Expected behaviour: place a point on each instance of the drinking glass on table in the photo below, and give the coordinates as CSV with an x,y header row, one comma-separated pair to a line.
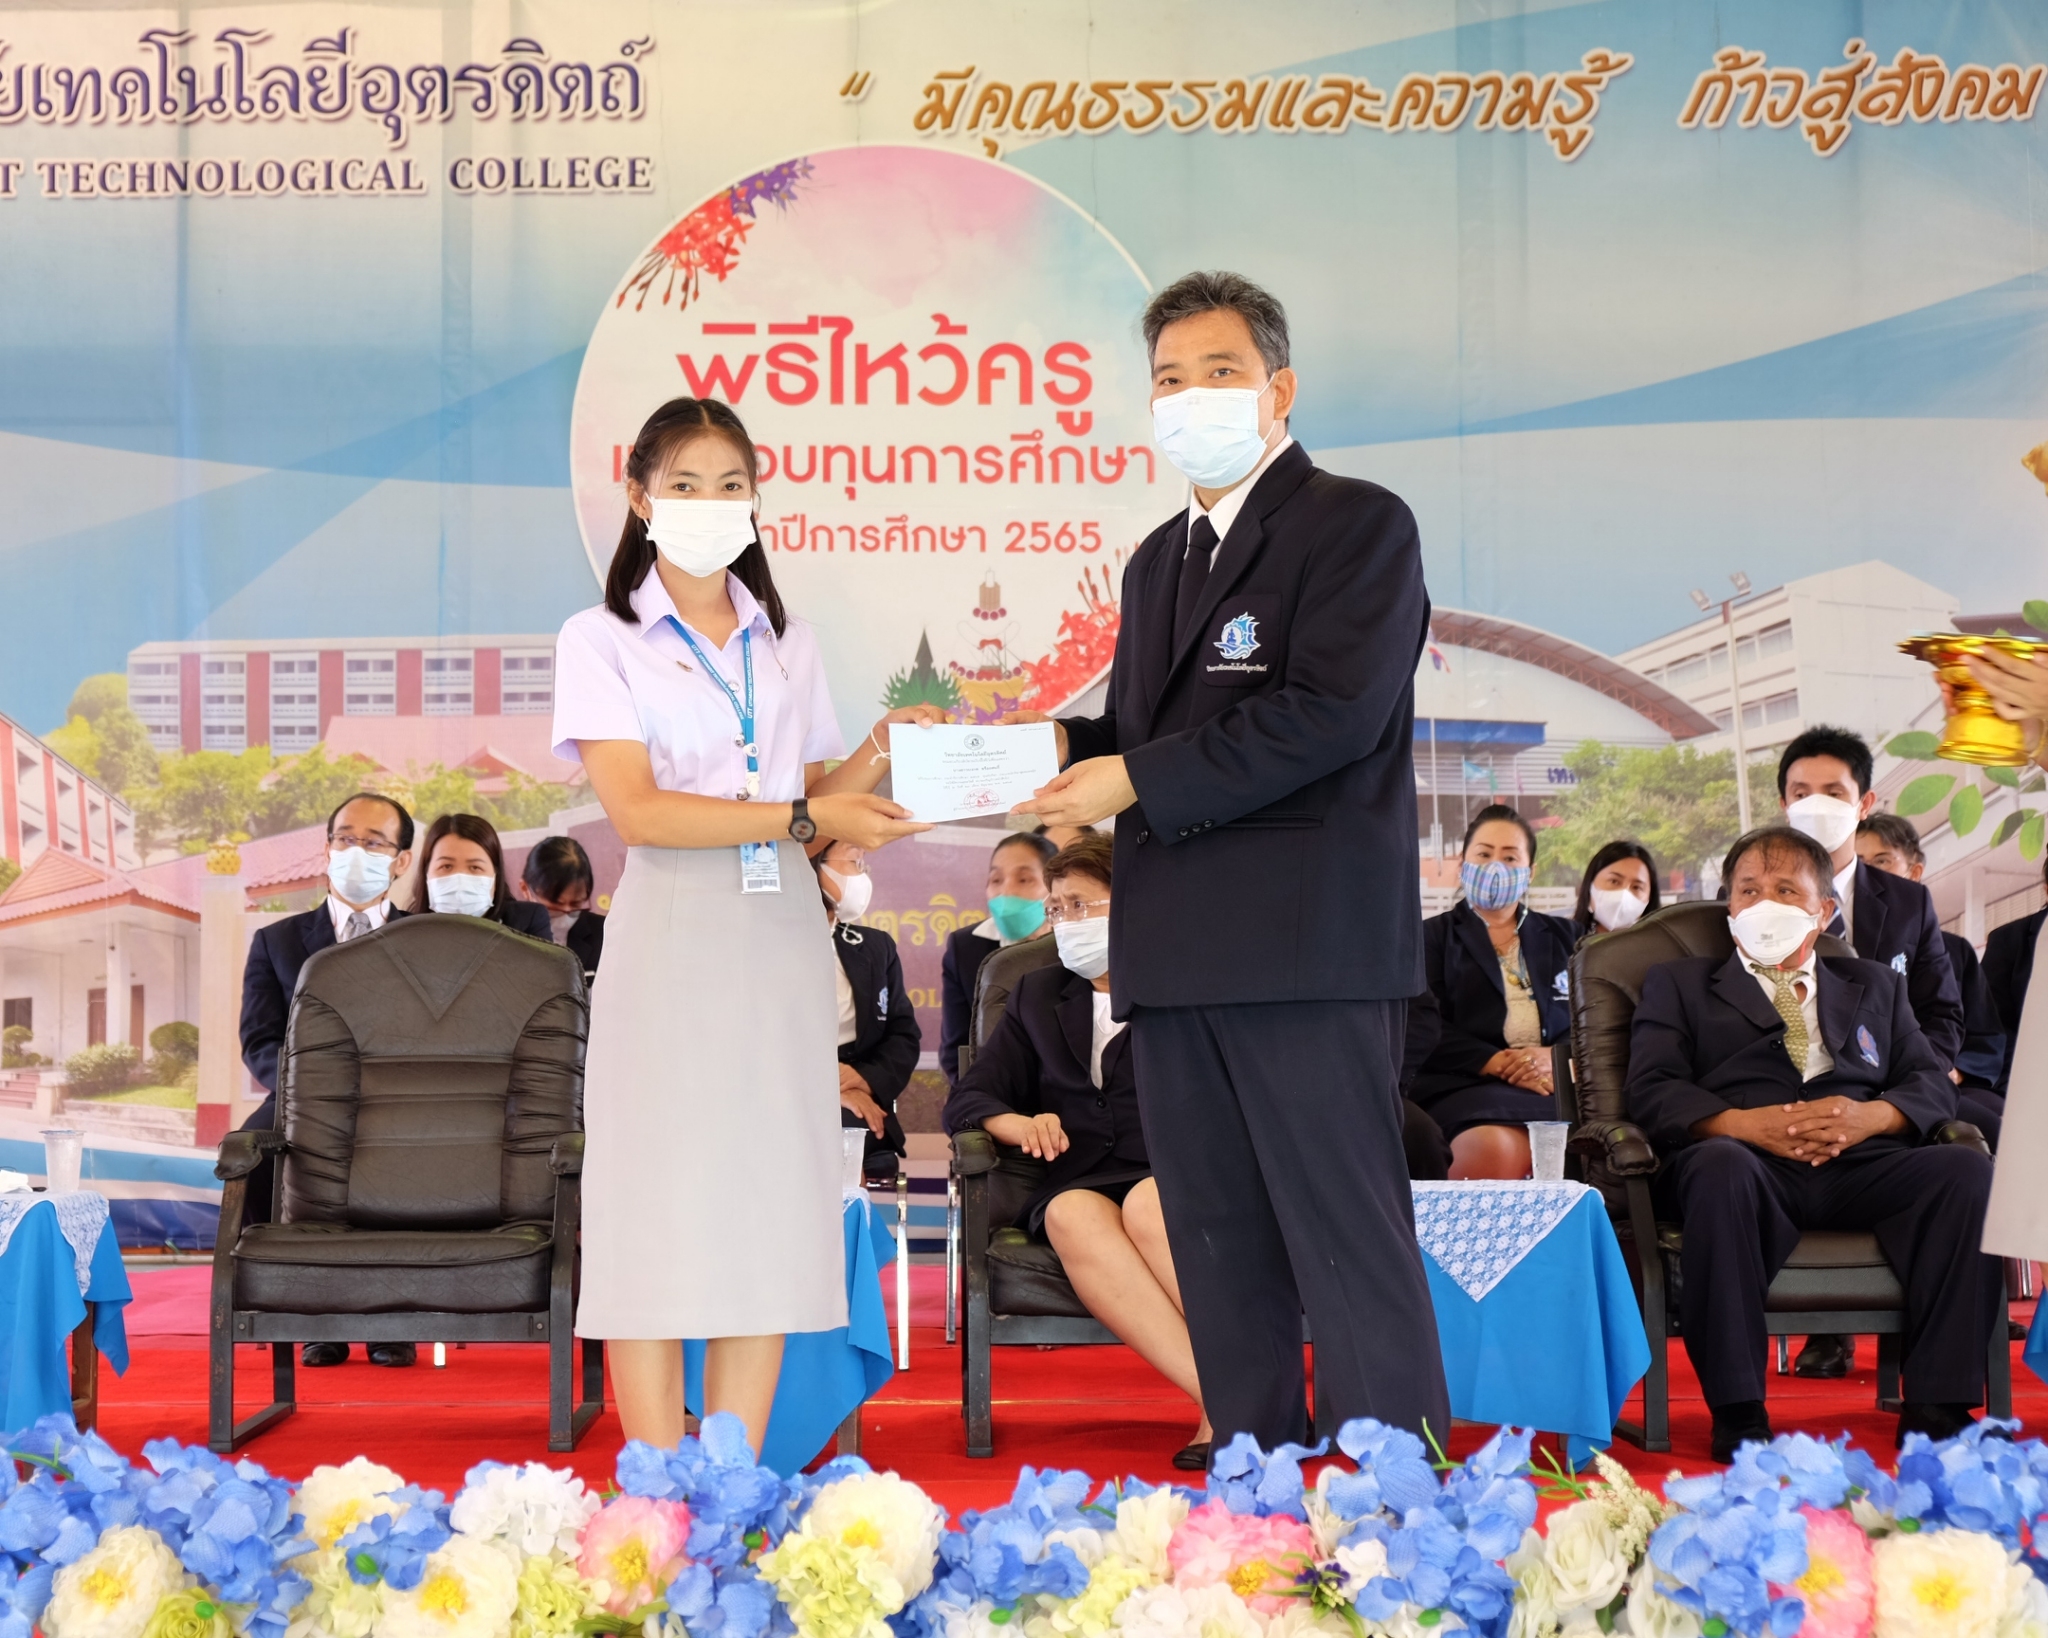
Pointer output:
x,y
1546,1149
63,1150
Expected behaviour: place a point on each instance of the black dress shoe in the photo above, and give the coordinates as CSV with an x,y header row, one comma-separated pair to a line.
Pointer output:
x,y
393,1353
1739,1424
324,1353
1825,1357
1193,1458
1936,1420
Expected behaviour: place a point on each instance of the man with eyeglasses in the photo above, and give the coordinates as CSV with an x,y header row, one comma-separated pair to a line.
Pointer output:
x,y
369,848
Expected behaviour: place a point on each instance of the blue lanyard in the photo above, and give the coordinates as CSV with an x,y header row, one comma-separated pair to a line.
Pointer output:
x,y
745,712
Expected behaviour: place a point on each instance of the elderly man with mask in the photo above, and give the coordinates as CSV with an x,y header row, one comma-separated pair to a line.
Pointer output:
x,y
369,848
1787,1092
1256,746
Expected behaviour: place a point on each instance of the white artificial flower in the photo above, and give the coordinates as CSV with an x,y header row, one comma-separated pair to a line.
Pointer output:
x,y
1187,1612
1651,1614
334,1500
467,1589
1534,1614
336,1605
524,1512
2026,1603
1583,1554
1939,1584
1144,1526
887,1515
1088,1545
1361,1562
112,1591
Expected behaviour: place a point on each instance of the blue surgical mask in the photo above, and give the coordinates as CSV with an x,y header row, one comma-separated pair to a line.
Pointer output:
x,y
462,895
1015,918
1493,885
1211,433
358,876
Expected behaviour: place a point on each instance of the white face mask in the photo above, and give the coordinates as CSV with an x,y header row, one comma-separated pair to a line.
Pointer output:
x,y
1083,946
461,895
1211,433
559,923
856,893
358,876
1827,819
1769,931
701,537
1616,907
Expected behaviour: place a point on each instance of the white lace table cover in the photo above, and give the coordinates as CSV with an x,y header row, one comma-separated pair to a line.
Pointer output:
x,y
1478,1231
81,1216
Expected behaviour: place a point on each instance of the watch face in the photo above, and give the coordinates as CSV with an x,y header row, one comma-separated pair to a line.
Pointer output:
x,y
803,830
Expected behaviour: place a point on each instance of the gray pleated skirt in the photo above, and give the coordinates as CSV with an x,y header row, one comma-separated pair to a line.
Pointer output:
x,y
711,1170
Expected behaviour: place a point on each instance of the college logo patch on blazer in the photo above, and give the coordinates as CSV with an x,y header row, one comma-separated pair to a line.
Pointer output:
x,y
1237,641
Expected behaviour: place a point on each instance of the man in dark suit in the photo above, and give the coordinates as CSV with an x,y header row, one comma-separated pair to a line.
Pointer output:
x,y
1256,749
369,847
2008,970
1824,787
1788,1092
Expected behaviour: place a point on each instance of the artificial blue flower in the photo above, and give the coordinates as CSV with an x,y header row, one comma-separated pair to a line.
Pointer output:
x,y
231,1524
1431,1565
1248,1480
1490,1497
1973,1482
1002,1556
735,1503
1394,1473
393,1547
1742,1531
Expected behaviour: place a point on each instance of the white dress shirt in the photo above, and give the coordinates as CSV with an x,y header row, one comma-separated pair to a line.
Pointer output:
x,y
620,681
1224,513
1818,1059
1845,899
849,1025
377,913
1107,1029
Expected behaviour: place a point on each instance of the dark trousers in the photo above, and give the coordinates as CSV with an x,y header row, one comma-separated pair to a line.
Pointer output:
x,y
1983,1109
263,1180
1275,1135
1428,1150
1743,1212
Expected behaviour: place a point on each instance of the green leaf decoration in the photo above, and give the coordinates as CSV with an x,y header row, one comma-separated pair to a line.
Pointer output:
x,y
1965,812
2035,783
2035,613
1913,747
2030,837
1924,793
2006,826
2008,777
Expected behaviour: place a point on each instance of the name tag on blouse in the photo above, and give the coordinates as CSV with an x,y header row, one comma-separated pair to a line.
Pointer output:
x,y
760,868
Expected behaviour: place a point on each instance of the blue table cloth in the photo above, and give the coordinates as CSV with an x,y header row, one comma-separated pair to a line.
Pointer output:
x,y
2035,1355
825,1374
1557,1342
41,1305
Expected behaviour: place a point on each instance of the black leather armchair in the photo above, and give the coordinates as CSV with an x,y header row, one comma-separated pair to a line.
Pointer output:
x,y
430,1153
1017,1295
1835,1282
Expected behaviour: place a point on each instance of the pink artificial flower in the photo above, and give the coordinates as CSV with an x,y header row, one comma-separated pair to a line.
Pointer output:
x,y
1254,1557
1840,1598
634,1545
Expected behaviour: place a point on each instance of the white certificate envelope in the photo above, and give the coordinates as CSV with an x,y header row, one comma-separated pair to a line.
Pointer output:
x,y
949,772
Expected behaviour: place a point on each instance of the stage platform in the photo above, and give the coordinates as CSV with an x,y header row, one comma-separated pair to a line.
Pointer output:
x,y
1101,1409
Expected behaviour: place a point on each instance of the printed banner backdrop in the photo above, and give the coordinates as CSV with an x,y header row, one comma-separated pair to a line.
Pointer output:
x,y
323,328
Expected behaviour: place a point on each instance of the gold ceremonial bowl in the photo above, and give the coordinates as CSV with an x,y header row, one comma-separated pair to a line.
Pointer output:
x,y
1974,731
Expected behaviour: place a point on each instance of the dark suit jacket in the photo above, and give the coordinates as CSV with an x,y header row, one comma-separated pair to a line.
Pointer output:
x,y
1460,1020
2008,969
1895,924
1036,1063
586,939
1706,1039
959,966
276,954
886,1047
1270,853
1982,1060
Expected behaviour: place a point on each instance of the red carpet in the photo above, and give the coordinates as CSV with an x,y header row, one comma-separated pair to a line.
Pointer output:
x,y
1100,1409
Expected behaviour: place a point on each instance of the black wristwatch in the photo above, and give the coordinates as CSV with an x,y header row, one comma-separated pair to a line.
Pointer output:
x,y
802,827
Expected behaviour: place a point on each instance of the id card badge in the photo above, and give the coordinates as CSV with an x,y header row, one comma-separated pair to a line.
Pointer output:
x,y
760,868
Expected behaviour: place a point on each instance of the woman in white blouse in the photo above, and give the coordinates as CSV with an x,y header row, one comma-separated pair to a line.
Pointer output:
x,y
699,709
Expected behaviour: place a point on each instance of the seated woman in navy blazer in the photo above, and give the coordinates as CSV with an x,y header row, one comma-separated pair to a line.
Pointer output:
x,y
1056,1081
879,1037
1496,1000
462,872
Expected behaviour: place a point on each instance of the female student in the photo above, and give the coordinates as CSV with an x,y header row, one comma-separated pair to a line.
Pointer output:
x,y
463,874
699,708
558,878
1016,911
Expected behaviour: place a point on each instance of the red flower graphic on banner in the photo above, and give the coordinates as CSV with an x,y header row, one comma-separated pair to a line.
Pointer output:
x,y
1087,643
708,239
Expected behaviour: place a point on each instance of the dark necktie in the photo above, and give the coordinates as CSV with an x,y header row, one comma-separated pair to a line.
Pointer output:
x,y
358,925
1194,575
1838,927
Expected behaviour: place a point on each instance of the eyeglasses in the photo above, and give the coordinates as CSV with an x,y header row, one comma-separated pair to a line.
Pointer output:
x,y
369,844
1072,910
